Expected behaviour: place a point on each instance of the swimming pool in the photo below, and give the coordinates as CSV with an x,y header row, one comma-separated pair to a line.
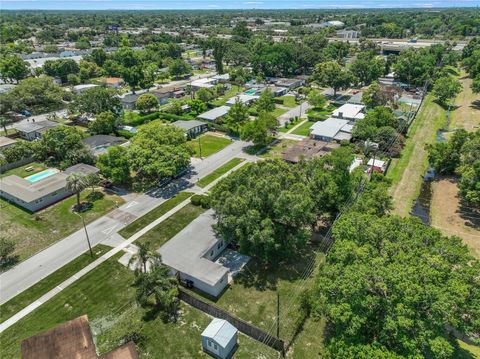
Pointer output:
x,y
251,92
41,175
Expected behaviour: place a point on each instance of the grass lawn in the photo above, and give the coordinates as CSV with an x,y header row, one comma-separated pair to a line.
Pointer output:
x,y
167,229
210,144
21,172
303,129
25,298
107,297
406,173
234,90
155,213
276,151
204,181
278,111
466,115
288,101
33,232
10,131
253,294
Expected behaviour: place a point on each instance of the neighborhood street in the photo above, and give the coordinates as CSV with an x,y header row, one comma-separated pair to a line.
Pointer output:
x,y
104,229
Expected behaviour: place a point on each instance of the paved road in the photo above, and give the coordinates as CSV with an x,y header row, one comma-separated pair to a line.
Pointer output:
x,y
298,111
120,246
105,229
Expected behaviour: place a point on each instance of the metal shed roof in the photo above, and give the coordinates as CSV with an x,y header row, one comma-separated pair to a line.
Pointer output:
x,y
221,331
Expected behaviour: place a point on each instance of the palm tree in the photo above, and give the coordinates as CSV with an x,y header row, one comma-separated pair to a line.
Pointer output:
x,y
92,180
4,122
159,283
76,184
144,255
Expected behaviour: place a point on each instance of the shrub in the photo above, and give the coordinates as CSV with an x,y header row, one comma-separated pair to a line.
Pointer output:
x,y
201,200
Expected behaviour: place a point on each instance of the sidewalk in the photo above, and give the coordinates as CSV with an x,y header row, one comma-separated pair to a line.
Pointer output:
x,y
30,308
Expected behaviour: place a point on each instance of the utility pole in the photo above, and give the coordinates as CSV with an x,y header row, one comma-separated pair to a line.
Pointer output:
x,y
86,233
278,314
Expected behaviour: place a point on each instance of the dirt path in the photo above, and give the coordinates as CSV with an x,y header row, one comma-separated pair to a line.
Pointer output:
x,y
467,112
409,169
452,217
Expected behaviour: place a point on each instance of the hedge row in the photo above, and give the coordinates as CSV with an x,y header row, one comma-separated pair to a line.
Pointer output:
x,y
140,120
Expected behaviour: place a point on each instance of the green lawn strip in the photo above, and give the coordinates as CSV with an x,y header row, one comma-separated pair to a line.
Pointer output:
x,y
31,294
288,101
253,294
33,232
278,112
167,229
108,298
155,213
204,181
466,351
303,129
21,172
210,144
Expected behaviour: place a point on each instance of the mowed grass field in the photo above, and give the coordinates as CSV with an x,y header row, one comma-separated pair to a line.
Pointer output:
x,y
466,114
406,173
106,295
209,144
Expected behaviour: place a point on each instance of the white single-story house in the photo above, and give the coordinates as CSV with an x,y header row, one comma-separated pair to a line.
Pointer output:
x,y
214,114
222,78
191,128
349,112
191,254
289,83
33,130
219,339
204,83
331,129
99,144
41,189
243,98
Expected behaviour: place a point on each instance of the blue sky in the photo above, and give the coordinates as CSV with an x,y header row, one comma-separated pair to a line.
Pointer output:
x,y
222,4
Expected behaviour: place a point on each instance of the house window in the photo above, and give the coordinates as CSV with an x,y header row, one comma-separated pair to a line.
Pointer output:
x,y
209,342
211,253
215,346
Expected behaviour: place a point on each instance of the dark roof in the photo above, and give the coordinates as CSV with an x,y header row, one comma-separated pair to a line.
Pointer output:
x,y
72,339
103,140
81,168
188,125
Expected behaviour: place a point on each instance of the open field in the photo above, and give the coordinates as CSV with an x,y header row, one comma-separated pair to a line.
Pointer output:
x,y
107,297
167,229
31,294
253,294
451,216
303,129
209,144
33,232
276,151
205,181
467,112
406,173
155,213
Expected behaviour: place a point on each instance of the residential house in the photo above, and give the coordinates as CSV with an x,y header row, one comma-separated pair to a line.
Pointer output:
x,y
33,130
191,128
289,83
215,114
331,129
219,339
84,87
376,165
223,78
243,98
72,339
41,189
113,82
204,83
191,254
347,34
350,112
6,142
99,144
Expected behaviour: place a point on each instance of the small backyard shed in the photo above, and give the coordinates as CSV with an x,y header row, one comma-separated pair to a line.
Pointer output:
x,y
219,339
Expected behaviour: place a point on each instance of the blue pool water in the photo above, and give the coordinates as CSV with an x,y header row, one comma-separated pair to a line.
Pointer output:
x,y
251,92
41,175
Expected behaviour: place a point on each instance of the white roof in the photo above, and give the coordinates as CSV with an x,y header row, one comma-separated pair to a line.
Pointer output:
x,y
215,113
377,163
349,110
244,98
185,252
222,77
205,83
84,86
355,163
220,331
328,128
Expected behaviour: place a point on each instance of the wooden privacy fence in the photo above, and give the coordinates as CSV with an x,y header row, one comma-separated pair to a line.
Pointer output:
x,y
246,328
